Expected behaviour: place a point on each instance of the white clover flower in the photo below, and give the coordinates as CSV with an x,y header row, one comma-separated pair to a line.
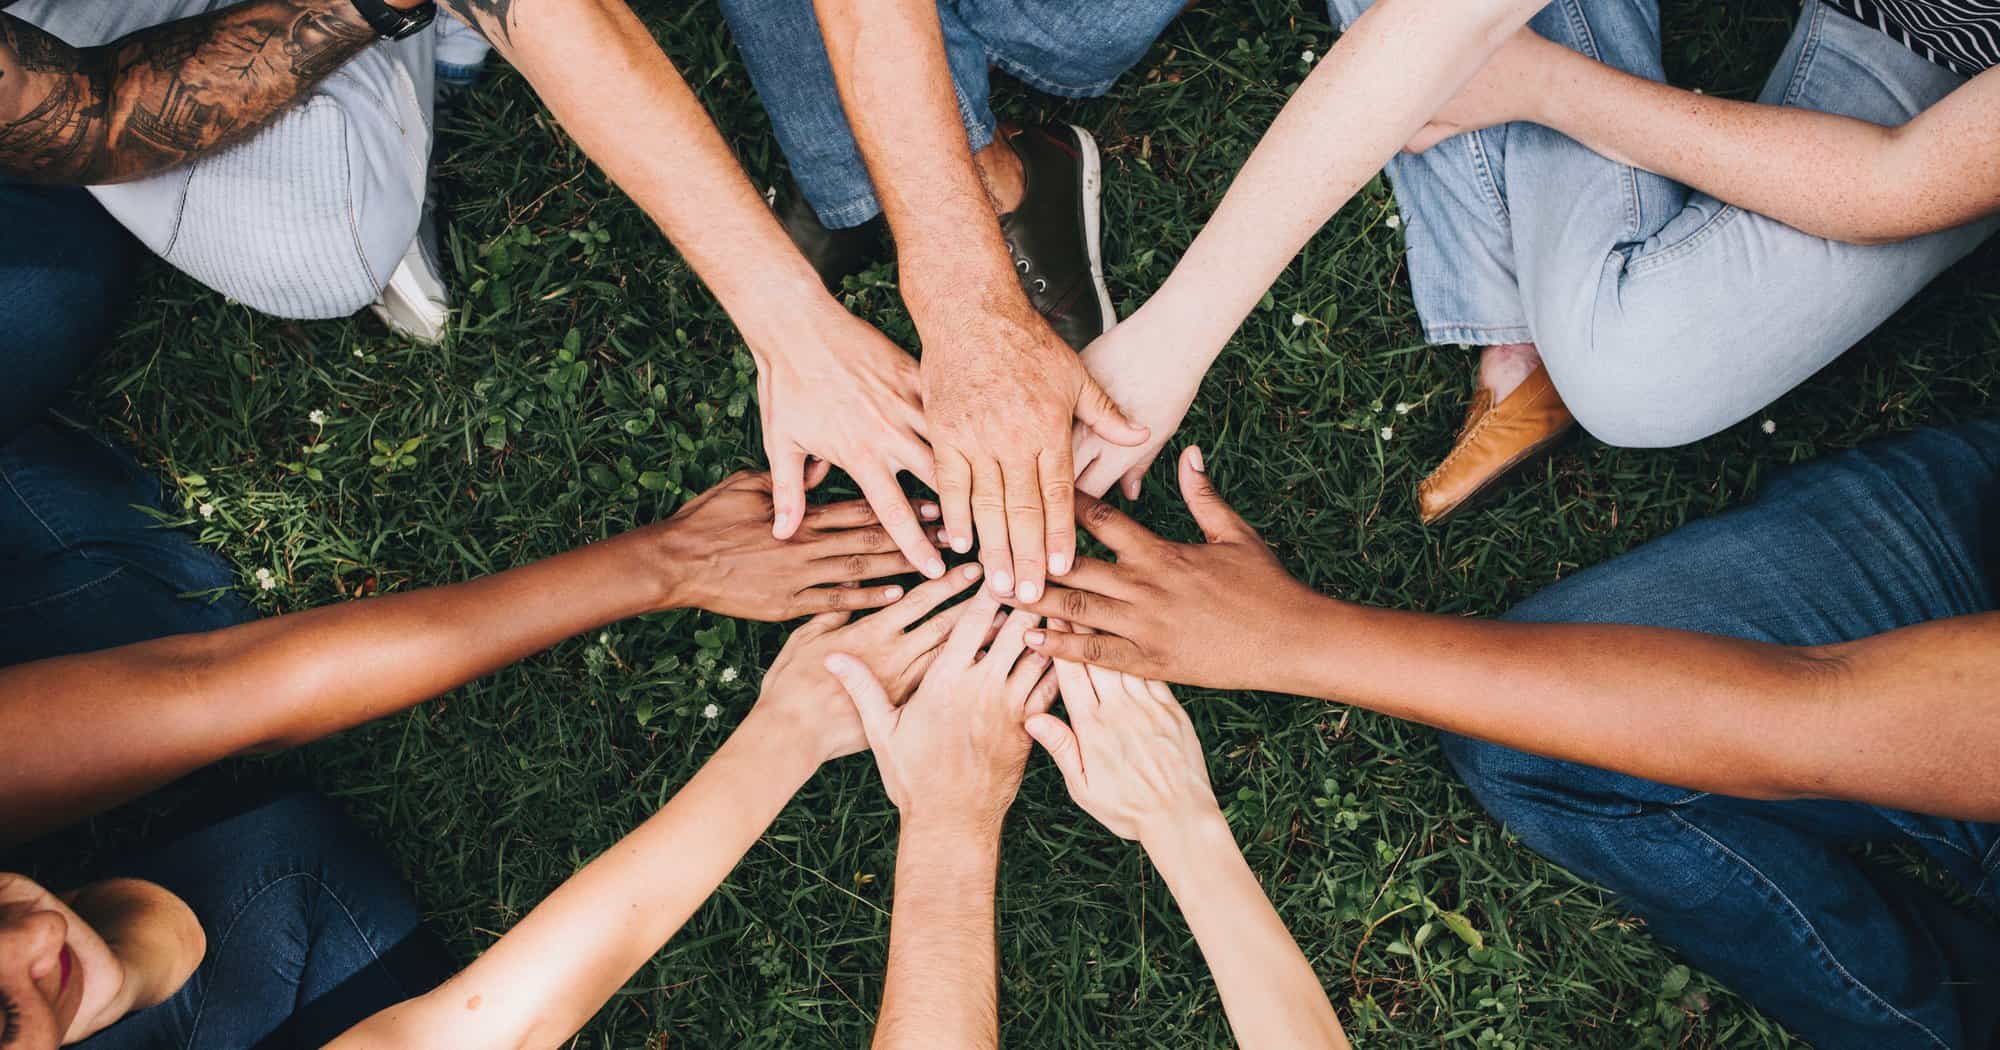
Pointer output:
x,y
317,417
1403,408
207,511
711,712
1307,56
266,581
1393,221
1298,320
1770,426
604,638
1387,433
358,353
728,675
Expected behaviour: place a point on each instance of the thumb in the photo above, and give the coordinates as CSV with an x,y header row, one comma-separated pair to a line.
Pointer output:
x,y
1096,410
788,492
1057,739
1217,519
878,716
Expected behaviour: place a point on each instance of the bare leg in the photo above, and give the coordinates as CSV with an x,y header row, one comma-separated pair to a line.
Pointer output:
x,y
1502,368
1000,169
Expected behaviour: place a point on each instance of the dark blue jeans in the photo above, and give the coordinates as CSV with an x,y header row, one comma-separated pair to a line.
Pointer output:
x,y
309,932
1769,897
65,276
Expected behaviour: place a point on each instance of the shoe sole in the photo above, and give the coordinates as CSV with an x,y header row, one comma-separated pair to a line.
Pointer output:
x,y
1093,224
1497,476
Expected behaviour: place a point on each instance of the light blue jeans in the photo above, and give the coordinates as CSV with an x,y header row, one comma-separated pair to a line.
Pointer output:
x,y
1062,48
1664,315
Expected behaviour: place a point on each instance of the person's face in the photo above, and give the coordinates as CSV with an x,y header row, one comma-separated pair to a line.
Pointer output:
x,y
42,944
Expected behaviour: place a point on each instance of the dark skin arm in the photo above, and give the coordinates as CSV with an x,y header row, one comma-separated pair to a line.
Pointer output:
x,y
1894,719
160,97
80,734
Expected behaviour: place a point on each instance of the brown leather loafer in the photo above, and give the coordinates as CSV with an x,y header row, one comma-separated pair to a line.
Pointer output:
x,y
1494,440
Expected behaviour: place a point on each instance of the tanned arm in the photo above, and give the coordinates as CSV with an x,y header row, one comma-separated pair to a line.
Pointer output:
x,y
162,96
81,733
1892,720
1829,175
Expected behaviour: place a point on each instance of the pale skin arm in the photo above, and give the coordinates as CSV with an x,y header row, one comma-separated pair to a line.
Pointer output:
x,y
1828,175
943,971
1894,719
82,733
829,384
1385,77
1130,758
1000,387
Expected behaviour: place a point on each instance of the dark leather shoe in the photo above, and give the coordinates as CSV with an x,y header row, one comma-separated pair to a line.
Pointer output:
x,y
835,255
1056,234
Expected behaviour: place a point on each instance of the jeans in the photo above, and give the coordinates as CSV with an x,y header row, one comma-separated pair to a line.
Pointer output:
x,y
65,275
1067,49
1767,896
1663,315
308,217
309,932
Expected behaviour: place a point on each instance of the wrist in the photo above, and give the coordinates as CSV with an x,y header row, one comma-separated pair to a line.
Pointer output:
x,y
669,555
783,321
1302,640
1180,842
951,831
786,749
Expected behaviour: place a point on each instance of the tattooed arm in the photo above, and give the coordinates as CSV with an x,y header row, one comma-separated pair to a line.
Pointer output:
x,y
161,96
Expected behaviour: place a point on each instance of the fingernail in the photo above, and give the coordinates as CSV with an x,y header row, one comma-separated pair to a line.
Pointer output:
x,y
961,544
1003,582
1194,459
1036,637
971,571
933,569
1058,564
784,517
892,593
944,537
1030,591
928,511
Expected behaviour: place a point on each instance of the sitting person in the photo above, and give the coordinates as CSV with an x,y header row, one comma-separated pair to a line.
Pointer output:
x,y
285,926
1631,263
951,760
1706,726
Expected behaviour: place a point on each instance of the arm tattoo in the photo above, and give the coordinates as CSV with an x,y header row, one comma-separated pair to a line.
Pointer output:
x,y
490,17
163,96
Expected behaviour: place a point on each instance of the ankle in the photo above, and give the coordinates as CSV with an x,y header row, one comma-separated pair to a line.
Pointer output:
x,y
1001,171
1503,368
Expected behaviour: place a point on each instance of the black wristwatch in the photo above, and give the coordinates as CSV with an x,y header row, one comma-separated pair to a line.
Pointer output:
x,y
393,23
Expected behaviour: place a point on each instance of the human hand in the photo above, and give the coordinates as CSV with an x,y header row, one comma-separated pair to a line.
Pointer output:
x,y
1129,754
1509,87
718,553
802,698
999,395
844,394
954,753
1220,614
1154,391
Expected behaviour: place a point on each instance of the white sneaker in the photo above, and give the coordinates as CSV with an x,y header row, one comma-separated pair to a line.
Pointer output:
x,y
415,304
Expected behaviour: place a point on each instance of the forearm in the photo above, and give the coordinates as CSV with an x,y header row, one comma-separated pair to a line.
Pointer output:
x,y
1382,81
1269,991
941,988
165,95
889,60
90,731
606,80
541,982
1828,175
1894,720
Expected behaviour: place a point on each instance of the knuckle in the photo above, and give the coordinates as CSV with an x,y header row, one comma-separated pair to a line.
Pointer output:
x,y
1097,514
1075,605
1058,491
876,538
1096,649
854,566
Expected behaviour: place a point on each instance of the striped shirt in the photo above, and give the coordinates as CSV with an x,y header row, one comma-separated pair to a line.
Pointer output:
x,y
1960,35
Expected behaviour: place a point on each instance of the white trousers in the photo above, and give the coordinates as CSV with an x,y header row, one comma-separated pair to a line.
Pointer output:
x,y
307,218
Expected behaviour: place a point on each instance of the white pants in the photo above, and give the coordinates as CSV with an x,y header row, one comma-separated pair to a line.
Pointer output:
x,y
307,218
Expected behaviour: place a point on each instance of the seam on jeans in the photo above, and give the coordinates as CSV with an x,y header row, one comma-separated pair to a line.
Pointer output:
x,y
347,176
1482,166
8,477
1628,176
1988,868
1041,83
236,919
1819,943
71,593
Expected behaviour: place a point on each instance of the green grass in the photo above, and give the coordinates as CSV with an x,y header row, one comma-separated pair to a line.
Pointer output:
x,y
587,355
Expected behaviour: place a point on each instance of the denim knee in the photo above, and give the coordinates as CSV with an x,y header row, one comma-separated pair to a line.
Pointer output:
x,y
1644,395
1066,49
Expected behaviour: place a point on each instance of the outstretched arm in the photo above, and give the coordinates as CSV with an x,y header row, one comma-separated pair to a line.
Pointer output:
x,y
82,733
542,981
159,97
829,385
1131,759
1832,176
1892,716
